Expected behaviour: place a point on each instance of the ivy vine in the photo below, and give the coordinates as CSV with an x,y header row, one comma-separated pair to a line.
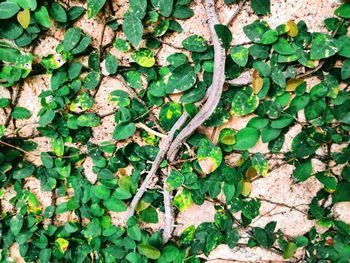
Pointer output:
x,y
172,164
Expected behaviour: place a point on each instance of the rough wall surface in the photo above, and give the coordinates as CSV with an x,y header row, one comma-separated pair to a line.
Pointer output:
x,y
286,202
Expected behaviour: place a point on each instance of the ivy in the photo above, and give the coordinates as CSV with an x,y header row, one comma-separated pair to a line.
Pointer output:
x,y
155,113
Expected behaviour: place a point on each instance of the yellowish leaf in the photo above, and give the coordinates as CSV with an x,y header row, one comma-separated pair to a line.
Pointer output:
x,y
23,18
292,84
250,174
246,188
292,28
258,82
62,244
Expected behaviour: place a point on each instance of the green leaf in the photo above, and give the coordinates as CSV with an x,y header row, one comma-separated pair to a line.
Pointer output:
x,y
169,114
88,120
259,163
244,102
2,130
344,46
224,35
115,205
345,70
255,31
144,57
195,43
161,28
133,29
149,251
303,171
165,6
182,12
111,64
269,37
169,254
290,250
20,113
47,117
183,199
124,130
209,157
181,79
42,17
9,54
322,46
92,80
261,7
138,8
58,12
239,55
283,47
8,10
343,10
174,180
57,146
342,193
227,136
16,224
246,138
71,38
120,98
149,215
94,6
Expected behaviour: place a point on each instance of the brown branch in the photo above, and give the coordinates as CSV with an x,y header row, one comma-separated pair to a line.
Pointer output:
x,y
168,211
214,91
235,14
163,149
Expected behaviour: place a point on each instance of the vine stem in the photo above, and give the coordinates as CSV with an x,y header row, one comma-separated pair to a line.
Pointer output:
x,y
147,183
214,91
168,210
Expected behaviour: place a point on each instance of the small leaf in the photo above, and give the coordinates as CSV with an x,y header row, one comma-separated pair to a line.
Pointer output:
x,y
144,57
257,82
71,38
227,136
246,188
323,46
209,157
20,113
111,64
290,250
23,18
42,17
149,251
261,7
224,34
58,12
8,10
183,199
169,114
239,55
94,6
303,171
133,29
195,43
292,84
343,10
62,244
16,224
246,138
292,28
165,6
124,130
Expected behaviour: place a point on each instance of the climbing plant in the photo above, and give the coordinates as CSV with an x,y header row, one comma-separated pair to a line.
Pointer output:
x,y
155,137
